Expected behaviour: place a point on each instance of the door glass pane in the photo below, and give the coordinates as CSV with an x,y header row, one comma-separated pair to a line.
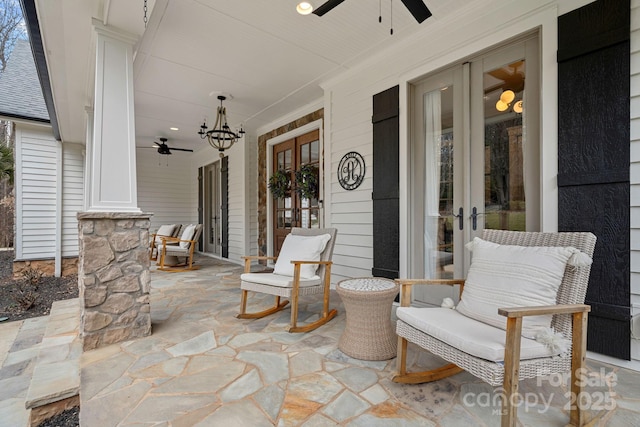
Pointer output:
x,y
309,208
284,216
438,188
504,107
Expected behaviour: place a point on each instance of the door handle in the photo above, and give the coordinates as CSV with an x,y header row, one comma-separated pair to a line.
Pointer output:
x,y
460,217
474,217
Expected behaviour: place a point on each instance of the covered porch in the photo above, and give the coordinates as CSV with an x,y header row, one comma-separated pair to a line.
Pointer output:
x,y
202,366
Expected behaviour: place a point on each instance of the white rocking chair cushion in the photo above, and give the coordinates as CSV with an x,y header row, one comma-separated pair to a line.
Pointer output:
x,y
300,248
468,335
512,276
278,280
187,234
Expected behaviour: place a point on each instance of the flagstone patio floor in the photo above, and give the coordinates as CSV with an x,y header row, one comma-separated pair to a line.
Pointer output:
x,y
203,367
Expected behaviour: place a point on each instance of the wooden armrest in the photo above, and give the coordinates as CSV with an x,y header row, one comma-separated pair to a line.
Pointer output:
x,y
312,262
162,235
406,284
546,309
450,282
248,258
170,239
258,257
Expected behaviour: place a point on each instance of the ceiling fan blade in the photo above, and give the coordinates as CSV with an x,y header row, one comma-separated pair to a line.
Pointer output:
x,y
418,9
501,74
326,7
180,149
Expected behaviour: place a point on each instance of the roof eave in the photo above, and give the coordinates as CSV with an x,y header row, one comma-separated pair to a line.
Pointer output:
x,y
33,27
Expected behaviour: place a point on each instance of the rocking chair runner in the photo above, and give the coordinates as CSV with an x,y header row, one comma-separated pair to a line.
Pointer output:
x,y
294,277
494,355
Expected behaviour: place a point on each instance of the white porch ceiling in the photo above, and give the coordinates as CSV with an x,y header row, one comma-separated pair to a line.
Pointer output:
x,y
270,58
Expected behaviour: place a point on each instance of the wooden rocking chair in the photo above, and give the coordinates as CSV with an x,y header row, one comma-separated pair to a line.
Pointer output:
x,y
294,275
183,247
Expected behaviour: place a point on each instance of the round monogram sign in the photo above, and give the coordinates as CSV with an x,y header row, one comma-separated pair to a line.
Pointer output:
x,y
351,171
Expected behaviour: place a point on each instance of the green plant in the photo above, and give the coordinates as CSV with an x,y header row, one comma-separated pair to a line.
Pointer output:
x,y
307,182
280,184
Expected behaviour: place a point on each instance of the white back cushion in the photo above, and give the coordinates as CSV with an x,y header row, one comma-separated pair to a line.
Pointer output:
x,y
300,248
165,230
503,276
187,234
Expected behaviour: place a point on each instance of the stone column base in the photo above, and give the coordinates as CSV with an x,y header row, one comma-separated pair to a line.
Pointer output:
x,y
113,277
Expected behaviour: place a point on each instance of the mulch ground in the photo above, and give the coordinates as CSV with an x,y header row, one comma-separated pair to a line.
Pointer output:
x,y
49,289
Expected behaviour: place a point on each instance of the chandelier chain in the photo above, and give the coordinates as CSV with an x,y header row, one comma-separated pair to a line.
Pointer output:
x,y
145,13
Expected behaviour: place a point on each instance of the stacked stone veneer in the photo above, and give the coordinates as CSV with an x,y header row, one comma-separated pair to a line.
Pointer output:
x,y
113,277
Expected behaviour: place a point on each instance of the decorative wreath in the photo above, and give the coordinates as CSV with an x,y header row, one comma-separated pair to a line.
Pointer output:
x,y
280,184
307,182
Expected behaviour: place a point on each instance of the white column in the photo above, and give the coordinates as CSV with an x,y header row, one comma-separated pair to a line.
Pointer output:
x,y
113,186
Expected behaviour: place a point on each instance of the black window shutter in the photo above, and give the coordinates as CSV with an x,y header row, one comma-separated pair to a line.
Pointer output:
x,y
201,204
386,176
593,159
224,201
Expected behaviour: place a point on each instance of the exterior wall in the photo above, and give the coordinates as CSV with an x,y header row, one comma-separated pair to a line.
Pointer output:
x,y
35,187
348,111
49,193
167,187
240,193
238,200
635,177
251,191
72,196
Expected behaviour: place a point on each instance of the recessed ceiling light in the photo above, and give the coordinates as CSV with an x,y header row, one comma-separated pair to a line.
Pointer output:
x,y
174,128
304,8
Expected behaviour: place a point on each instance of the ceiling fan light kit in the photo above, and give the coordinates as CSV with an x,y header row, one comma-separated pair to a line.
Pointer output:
x,y
304,8
417,8
221,137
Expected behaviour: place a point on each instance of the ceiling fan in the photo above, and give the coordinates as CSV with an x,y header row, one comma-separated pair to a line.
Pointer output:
x,y
417,8
163,148
512,77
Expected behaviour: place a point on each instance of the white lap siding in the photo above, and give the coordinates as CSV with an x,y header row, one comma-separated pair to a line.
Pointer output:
x,y
72,199
36,175
167,187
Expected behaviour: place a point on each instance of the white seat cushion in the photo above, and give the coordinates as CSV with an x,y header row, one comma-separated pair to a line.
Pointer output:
x,y
466,334
281,281
503,276
300,248
175,250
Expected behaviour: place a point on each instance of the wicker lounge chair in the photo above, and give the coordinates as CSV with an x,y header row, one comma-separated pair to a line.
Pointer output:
x,y
514,355
294,275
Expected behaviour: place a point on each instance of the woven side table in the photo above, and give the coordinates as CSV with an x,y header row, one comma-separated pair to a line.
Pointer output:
x,y
368,334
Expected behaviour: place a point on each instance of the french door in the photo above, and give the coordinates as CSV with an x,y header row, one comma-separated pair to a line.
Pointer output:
x,y
213,210
294,210
474,159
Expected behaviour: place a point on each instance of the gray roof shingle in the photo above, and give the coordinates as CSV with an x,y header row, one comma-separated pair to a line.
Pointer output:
x,y
20,91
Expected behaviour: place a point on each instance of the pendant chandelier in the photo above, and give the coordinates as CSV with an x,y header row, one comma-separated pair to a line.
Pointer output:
x,y
221,137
